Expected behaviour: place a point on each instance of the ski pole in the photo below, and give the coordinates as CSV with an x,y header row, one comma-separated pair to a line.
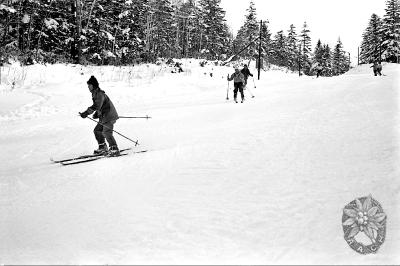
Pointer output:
x,y
251,94
136,142
227,91
147,117
254,82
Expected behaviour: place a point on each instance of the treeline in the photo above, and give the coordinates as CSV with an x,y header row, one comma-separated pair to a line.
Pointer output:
x,y
112,32
130,31
381,38
289,48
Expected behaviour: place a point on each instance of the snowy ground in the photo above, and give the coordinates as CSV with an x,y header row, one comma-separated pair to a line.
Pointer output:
x,y
264,182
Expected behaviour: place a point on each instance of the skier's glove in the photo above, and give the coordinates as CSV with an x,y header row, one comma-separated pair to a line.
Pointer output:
x,y
84,114
95,115
251,74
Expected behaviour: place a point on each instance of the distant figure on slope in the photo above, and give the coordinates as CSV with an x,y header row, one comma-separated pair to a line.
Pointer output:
x,y
377,67
103,109
238,81
318,69
246,73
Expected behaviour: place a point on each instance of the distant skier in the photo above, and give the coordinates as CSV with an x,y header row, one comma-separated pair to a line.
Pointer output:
x,y
377,67
103,109
246,73
318,69
238,81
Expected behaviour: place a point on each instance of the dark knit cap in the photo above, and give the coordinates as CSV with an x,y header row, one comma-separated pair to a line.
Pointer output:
x,y
93,81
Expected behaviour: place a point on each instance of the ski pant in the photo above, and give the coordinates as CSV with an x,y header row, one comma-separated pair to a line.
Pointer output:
x,y
105,132
377,72
238,86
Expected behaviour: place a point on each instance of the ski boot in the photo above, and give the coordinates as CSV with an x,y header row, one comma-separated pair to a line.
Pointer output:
x,y
101,150
242,100
114,151
235,100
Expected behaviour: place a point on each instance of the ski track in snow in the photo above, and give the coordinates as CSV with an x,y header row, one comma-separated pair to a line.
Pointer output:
x,y
223,183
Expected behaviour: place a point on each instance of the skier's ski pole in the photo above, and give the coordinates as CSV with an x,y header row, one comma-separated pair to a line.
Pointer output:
x,y
251,94
147,117
254,82
227,91
136,142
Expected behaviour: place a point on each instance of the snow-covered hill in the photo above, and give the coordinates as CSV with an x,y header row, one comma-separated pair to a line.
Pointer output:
x,y
263,182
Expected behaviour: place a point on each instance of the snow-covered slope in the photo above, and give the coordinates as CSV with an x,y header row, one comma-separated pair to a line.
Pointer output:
x,y
261,182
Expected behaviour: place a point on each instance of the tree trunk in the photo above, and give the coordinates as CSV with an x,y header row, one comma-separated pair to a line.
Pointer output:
x,y
78,20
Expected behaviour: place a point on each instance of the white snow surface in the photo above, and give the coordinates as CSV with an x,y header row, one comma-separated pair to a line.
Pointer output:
x,y
263,182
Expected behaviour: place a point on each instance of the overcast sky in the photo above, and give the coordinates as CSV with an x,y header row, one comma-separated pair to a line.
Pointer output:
x,y
327,20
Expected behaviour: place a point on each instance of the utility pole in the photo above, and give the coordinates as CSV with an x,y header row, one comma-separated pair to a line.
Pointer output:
x,y
358,56
259,51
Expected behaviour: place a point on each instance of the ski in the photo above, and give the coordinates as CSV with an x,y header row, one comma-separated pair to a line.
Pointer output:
x,y
83,157
91,159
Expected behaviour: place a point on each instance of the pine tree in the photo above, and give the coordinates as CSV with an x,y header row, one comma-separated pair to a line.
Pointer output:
x,y
292,51
190,33
266,44
251,29
391,31
327,61
305,42
279,54
372,40
318,53
163,35
339,61
213,28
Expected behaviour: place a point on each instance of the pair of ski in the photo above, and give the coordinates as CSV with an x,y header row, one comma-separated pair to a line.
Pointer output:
x,y
92,157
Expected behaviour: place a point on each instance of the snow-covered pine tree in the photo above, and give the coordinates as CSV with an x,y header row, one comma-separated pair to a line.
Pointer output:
x,y
326,60
132,38
318,53
163,35
52,32
8,45
305,41
372,40
189,32
391,31
251,30
322,57
292,50
266,44
279,53
214,28
340,62
239,41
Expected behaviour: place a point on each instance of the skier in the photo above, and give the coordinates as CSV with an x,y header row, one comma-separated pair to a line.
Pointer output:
x,y
377,67
103,109
318,69
238,81
246,73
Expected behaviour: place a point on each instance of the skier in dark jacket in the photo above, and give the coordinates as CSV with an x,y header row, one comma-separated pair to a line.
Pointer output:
x,y
238,81
318,69
377,67
103,109
246,73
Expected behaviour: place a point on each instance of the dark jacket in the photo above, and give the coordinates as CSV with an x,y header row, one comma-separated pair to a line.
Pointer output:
x,y
246,73
376,66
103,106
